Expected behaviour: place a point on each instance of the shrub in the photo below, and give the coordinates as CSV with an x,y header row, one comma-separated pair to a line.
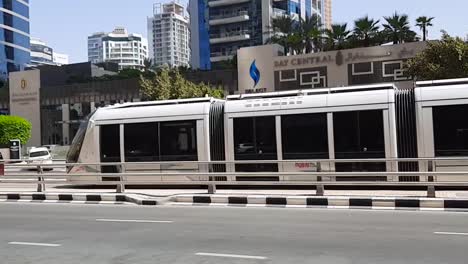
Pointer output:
x,y
14,127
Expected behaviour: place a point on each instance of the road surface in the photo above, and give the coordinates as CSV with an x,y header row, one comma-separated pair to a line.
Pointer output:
x,y
64,233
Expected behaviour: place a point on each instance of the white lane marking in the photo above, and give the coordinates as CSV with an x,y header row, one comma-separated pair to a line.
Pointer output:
x,y
34,244
451,233
229,255
133,221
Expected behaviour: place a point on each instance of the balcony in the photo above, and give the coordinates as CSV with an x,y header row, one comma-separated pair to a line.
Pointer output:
x,y
229,37
225,2
229,18
221,56
279,12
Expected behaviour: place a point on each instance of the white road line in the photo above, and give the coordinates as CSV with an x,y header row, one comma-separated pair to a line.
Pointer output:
x,y
229,255
34,244
133,221
451,233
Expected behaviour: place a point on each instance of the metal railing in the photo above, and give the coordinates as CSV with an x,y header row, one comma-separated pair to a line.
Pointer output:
x,y
321,173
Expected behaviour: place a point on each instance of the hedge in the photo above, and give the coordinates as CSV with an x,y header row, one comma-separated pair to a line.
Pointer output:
x,y
14,127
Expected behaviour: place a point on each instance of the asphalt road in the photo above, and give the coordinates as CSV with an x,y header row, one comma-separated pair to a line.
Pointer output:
x,y
58,233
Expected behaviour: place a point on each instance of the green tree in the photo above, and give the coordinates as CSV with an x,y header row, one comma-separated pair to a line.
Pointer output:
x,y
397,28
424,23
296,43
445,59
170,84
337,36
365,30
14,127
282,27
148,63
312,33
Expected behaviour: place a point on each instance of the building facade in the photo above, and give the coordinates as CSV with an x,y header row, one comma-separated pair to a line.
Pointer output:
x,y
168,33
15,52
61,58
128,50
220,27
328,13
360,66
42,54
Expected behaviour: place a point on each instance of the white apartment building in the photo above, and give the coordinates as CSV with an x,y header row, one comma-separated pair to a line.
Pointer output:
x,y
118,46
42,54
169,35
60,58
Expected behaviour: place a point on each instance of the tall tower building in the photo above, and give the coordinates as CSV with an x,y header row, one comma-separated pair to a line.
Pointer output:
x,y
15,49
328,13
220,27
118,46
168,33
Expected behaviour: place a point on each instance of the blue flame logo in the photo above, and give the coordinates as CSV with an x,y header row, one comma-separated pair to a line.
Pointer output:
x,y
254,73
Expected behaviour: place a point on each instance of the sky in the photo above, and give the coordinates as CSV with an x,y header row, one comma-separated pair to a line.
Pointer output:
x,y
65,24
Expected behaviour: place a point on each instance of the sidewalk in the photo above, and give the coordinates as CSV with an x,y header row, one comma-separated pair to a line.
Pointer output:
x,y
54,188
342,199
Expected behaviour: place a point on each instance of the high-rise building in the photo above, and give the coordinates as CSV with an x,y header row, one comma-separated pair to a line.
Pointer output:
x,y
220,27
328,13
15,52
118,46
168,33
61,59
42,54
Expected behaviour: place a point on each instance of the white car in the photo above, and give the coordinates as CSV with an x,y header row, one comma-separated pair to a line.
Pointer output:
x,y
40,156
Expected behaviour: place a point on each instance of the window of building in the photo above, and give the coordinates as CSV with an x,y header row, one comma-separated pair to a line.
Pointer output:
x,y
141,142
450,130
178,140
305,136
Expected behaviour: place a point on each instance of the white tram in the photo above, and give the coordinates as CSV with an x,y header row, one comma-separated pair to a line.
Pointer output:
x,y
359,122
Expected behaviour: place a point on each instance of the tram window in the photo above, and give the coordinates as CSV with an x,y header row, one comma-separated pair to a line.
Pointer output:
x,y
141,142
266,137
178,140
244,138
359,134
110,143
450,130
304,136
255,139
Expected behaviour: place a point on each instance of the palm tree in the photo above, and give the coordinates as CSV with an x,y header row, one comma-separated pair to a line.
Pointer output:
x,y
365,30
282,27
311,30
398,29
296,42
317,37
147,63
423,23
337,36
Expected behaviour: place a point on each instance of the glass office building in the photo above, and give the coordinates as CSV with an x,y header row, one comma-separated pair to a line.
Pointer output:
x,y
219,28
15,52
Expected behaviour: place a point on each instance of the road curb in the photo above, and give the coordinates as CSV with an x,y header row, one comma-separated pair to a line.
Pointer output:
x,y
106,198
388,203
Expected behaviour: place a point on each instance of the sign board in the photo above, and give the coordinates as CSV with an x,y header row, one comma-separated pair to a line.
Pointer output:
x,y
15,149
25,101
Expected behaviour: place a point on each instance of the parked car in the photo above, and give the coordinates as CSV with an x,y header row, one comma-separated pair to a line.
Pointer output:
x,y
40,156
